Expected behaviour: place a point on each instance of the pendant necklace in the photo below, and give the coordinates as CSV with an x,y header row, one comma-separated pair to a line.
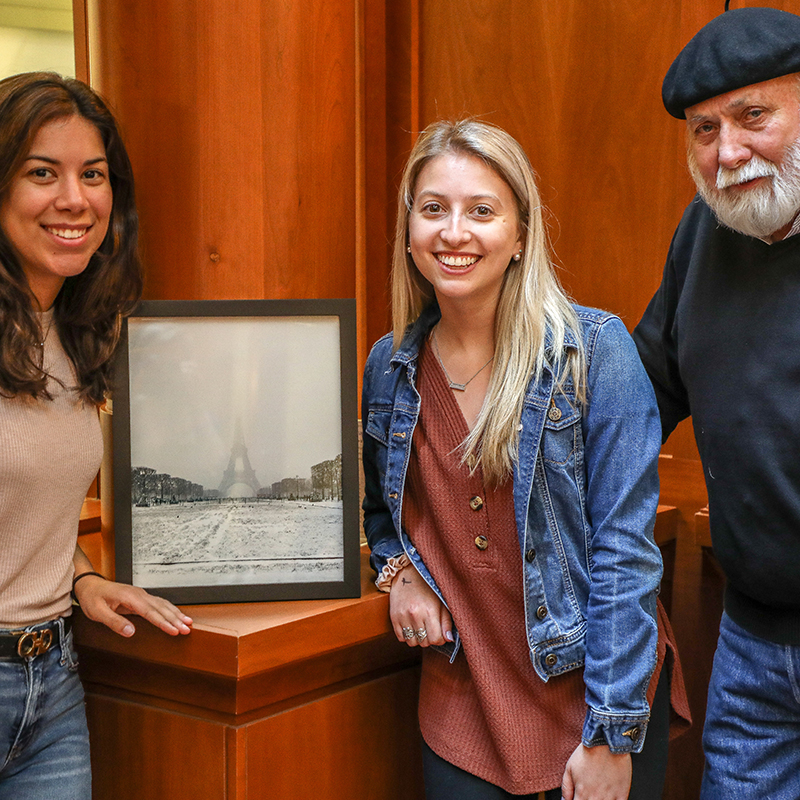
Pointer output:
x,y
459,387
46,332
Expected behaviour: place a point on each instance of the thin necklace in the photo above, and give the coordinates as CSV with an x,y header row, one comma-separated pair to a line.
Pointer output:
x,y
459,387
45,334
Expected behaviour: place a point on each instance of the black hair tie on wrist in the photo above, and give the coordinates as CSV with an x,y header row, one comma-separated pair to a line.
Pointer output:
x,y
77,578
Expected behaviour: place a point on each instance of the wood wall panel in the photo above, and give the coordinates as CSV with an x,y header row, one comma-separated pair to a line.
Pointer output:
x,y
241,127
309,120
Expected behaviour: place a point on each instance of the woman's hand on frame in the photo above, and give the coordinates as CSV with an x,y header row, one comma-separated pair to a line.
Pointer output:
x,y
419,617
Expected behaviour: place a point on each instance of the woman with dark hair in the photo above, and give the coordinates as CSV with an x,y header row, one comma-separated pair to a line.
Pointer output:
x,y
510,455
69,272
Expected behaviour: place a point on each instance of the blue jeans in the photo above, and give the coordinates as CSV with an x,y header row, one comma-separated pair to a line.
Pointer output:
x,y
44,741
752,731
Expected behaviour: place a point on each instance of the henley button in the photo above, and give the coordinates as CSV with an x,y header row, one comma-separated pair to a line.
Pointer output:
x,y
541,612
530,555
481,542
476,503
551,659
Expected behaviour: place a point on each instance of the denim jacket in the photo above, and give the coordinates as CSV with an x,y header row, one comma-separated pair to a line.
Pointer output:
x,y
585,497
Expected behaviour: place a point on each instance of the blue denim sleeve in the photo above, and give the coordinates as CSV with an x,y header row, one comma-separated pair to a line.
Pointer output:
x,y
622,435
379,529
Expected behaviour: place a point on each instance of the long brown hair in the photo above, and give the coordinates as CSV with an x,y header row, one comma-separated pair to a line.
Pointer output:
x,y
89,308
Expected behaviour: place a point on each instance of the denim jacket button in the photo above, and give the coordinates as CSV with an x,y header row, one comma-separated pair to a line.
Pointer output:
x,y
554,414
541,613
476,503
481,542
634,733
551,659
530,555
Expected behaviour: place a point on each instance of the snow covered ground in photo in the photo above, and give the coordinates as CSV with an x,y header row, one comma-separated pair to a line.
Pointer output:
x,y
242,541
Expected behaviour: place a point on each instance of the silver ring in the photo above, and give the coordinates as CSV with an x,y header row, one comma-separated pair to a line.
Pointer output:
x,y
408,633
421,634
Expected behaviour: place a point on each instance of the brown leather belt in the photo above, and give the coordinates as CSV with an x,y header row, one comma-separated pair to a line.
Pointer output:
x,y
22,645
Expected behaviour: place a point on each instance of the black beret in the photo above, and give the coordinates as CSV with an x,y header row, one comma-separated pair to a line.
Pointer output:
x,y
736,49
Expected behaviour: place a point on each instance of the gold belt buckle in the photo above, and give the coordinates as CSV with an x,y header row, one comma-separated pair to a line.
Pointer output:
x,y
34,643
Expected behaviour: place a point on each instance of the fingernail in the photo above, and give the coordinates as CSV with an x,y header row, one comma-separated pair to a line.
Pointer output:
x,y
128,630
448,635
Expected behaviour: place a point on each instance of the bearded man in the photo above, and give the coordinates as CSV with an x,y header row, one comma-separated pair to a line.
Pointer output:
x,y
721,342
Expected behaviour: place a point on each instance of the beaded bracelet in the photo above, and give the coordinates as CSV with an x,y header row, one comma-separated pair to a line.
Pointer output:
x,y
77,578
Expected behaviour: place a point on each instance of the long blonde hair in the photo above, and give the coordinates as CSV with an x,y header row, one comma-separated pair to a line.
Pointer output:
x,y
531,299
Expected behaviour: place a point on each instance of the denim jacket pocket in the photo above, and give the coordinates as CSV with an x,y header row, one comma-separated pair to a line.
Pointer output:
x,y
561,429
378,422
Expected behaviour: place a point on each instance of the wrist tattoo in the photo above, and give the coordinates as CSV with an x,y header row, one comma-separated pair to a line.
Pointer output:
x,y
405,581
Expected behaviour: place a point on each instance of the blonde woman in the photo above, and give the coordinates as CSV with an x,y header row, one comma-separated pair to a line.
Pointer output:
x,y
510,450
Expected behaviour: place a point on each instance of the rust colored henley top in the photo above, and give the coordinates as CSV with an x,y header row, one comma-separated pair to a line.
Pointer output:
x,y
488,712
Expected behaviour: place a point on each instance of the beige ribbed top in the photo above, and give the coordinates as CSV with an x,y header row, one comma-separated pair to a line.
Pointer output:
x,y
50,451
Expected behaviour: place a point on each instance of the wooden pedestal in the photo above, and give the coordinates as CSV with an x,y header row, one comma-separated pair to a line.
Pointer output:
x,y
286,701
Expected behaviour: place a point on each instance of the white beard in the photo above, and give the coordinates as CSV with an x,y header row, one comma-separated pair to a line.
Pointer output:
x,y
761,210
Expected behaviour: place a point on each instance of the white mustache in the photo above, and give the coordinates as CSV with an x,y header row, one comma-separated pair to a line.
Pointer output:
x,y
756,167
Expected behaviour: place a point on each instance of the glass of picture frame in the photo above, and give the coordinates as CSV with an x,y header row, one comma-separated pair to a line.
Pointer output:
x,y
235,450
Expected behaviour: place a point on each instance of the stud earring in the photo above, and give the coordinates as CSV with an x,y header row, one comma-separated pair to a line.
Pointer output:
x,y
518,256
408,249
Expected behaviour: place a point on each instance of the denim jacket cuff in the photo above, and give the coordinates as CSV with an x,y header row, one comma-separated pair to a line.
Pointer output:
x,y
383,551
622,733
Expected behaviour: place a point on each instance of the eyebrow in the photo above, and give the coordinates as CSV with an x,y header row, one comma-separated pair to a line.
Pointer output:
x,y
49,160
742,102
473,198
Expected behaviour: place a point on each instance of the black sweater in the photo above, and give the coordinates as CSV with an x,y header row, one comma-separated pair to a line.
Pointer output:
x,y
721,341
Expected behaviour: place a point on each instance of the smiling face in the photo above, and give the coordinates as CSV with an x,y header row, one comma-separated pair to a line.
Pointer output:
x,y
56,211
743,155
464,228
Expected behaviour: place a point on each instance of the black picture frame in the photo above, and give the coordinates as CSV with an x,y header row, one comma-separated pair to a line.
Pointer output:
x,y
272,381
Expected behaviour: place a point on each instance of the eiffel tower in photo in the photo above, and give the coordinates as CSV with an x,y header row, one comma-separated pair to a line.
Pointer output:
x,y
239,469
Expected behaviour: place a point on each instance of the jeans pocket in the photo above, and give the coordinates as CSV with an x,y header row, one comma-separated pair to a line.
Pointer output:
x,y
69,655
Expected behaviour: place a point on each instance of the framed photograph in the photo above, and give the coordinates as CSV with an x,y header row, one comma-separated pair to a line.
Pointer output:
x,y
235,450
